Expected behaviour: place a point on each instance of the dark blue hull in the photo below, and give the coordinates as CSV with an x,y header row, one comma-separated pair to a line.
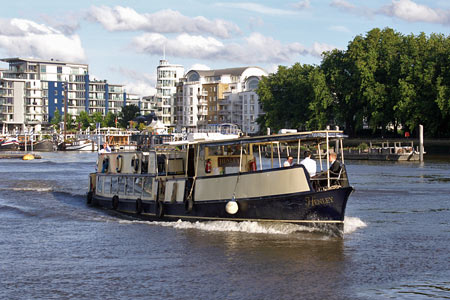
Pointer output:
x,y
303,208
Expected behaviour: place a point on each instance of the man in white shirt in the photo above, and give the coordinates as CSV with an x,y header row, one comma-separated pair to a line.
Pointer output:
x,y
309,164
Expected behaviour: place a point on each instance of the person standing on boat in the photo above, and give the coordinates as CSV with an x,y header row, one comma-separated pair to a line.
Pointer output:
x,y
310,164
289,162
105,149
335,165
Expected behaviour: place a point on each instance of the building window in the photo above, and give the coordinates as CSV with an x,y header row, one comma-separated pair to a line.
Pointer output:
x,y
59,70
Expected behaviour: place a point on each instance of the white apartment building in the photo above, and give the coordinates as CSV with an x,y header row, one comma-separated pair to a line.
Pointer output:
x,y
167,77
148,105
219,96
32,90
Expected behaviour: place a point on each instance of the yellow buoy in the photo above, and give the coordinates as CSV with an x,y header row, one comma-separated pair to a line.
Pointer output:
x,y
28,157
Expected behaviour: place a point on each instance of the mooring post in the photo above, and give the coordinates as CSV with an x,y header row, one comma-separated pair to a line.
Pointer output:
x,y
421,143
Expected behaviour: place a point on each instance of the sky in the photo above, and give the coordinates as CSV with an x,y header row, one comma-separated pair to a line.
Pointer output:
x,y
123,41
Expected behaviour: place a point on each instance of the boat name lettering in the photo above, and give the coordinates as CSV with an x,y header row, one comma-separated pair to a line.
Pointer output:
x,y
228,161
313,201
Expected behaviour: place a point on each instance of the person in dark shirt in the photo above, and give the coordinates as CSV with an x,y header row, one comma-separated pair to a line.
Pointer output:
x,y
335,165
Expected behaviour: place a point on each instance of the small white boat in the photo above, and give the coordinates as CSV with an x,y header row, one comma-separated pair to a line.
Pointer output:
x,y
79,145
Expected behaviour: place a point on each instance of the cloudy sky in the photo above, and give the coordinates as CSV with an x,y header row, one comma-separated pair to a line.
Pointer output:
x,y
123,41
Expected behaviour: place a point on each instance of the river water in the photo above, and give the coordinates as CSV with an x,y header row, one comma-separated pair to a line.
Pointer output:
x,y
52,246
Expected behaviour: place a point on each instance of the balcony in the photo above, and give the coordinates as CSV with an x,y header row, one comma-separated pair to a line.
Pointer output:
x,y
202,102
202,112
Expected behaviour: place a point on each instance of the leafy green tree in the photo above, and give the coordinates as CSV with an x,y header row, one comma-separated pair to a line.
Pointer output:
x,y
286,96
56,120
110,120
127,114
97,117
84,119
70,122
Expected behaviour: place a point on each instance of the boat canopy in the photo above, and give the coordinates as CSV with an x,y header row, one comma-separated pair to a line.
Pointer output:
x,y
308,136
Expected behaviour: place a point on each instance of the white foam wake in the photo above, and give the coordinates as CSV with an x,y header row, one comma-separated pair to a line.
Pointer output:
x,y
28,189
351,224
230,226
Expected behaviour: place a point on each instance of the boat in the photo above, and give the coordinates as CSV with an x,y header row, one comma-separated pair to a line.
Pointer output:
x,y
39,146
228,179
9,144
78,145
393,151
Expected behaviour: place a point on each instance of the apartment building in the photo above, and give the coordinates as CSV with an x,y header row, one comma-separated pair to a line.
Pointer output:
x,y
148,105
219,96
167,77
32,90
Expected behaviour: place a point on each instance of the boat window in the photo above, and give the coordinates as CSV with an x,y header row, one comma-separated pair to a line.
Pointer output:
x,y
100,180
152,163
161,159
138,183
176,166
130,186
147,190
121,190
114,185
107,185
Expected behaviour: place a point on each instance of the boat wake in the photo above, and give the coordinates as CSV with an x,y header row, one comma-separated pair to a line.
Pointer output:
x,y
351,224
28,189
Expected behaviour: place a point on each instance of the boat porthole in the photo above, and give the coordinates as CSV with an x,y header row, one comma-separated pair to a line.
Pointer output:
x,y
138,206
115,202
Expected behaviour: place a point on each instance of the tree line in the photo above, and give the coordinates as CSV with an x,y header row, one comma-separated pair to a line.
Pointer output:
x,y
384,83
84,120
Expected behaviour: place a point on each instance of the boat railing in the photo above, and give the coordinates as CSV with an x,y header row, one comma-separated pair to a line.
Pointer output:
x,y
320,181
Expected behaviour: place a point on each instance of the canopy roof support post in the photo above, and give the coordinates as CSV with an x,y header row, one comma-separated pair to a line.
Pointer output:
x,y
342,151
328,163
298,152
260,159
279,154
240,160
271,155
187,160
320,156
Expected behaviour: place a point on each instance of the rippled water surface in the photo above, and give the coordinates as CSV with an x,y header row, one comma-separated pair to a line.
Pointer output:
x,y
52,246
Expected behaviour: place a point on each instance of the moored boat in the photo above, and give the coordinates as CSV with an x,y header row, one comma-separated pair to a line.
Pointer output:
x,y
39,146
223,180
78,145
9,144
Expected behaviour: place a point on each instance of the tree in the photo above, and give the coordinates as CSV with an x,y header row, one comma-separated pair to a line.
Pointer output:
x,y
56,120
127,114
84,119
97,117
286,96
110,120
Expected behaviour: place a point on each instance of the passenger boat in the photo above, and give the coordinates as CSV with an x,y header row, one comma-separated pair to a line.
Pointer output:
x,y
9,144
224,180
